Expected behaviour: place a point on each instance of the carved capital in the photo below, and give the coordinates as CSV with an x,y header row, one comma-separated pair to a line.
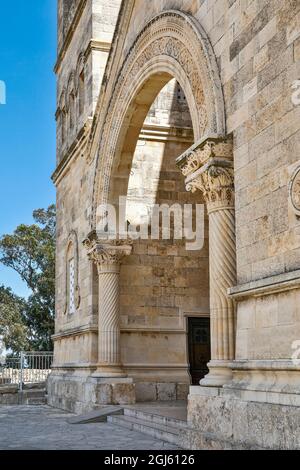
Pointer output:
x,y
107,252
208,167
217,185
203,152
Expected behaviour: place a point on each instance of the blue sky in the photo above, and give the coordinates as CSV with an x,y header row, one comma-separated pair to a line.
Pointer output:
x,y
27,125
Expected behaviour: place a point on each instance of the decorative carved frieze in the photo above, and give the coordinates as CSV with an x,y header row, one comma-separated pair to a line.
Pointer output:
x,y
173,44
198,155
172,47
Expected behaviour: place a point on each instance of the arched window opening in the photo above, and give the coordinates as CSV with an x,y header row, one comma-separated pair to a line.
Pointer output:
x,y
81,93
72,111
63,126
72,285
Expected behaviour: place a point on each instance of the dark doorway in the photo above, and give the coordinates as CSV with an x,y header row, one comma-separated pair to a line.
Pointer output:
x,y
199,347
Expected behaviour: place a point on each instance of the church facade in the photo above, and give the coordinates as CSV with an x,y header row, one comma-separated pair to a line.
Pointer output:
x,y
193,105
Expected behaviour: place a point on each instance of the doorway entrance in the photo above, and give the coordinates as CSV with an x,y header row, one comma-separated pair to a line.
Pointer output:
x,y
199,347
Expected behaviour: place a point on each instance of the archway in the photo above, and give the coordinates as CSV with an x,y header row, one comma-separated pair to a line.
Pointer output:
x,y
163,284
171,46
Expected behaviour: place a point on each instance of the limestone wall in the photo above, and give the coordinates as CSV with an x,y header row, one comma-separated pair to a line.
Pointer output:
x,y
220,422
84,43
257,47
268,326
161,283
86,49
256,43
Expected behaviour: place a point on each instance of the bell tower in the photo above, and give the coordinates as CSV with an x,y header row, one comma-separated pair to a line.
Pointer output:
x,y
85,32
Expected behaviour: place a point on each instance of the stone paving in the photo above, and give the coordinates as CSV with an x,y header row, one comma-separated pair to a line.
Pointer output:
x,y
45,428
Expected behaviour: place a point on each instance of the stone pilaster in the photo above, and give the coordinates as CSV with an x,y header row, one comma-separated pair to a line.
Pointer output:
x,y
208,167
108,256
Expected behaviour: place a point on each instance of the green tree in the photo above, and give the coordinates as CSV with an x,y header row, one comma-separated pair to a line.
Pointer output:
x,y
30,251
13,329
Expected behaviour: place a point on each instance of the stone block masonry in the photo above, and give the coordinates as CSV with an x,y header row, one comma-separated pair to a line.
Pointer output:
x,y
135,92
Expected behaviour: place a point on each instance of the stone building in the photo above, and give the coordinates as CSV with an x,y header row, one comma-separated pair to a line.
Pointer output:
x,y
188,102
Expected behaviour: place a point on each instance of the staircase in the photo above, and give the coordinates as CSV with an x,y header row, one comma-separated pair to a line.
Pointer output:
x,y
165,428
33,396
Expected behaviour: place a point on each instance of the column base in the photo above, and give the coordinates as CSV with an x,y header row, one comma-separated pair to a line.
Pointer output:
x,y
112,390
220,373
104,371
77,392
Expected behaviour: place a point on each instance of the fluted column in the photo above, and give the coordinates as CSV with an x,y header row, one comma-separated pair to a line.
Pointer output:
x,y
209,168
108,255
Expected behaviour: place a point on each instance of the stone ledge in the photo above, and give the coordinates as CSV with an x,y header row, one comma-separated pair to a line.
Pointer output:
x,y
265,364
272,397
91,367
266,286
198,390
269,381
8,389
80,330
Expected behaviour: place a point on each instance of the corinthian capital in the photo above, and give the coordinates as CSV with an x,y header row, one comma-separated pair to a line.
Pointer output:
x,y
107,252
217,185
208,167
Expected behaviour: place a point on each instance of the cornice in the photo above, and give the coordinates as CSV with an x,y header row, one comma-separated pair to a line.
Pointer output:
x,y
214,138
267,286
95,45
264,364
152,330
143,366
93,328
159,133
77,331
148,133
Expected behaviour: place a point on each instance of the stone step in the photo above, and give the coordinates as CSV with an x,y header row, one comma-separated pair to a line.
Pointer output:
x,y
155,418
34,386
158,431
36,401
34,393
33,397
96,416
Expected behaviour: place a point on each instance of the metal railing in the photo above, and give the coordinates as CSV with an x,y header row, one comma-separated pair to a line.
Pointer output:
x,y
28,368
